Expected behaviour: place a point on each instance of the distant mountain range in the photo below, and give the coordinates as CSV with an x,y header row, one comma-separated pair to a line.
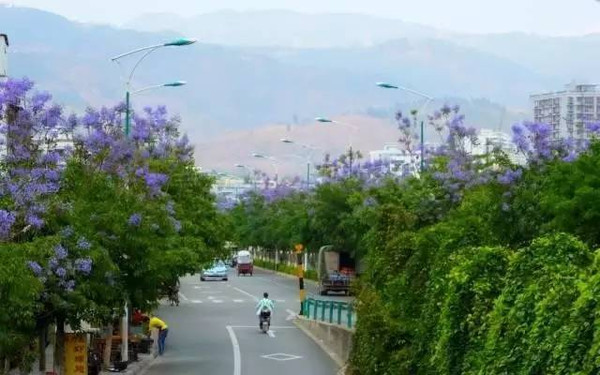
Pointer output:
x,y
259,68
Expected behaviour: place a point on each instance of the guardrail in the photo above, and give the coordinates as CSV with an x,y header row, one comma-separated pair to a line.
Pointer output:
x,y
334,312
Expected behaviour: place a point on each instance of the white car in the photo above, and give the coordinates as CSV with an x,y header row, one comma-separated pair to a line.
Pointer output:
x,y
218,271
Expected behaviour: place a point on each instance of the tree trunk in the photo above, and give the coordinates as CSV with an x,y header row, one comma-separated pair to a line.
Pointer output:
x,y
108,346
42,338
59,346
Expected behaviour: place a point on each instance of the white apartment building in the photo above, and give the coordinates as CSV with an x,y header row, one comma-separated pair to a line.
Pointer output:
x,y
490,140
3,55
568,111
400,161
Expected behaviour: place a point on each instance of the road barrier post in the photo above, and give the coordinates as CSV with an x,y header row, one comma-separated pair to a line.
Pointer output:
x,y
299,256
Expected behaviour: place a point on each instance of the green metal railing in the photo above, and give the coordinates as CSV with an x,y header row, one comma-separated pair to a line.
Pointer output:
x,y
335,312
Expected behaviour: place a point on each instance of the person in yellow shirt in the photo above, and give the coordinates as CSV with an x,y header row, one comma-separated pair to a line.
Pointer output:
x,y
163,330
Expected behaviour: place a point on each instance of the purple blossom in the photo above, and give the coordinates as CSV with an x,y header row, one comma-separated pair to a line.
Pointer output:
x,y
35,267
155,181
593,127
135,220
83,265
68,285
67,232
39,100
60,252
170,208
61,272
34,221
176,224
83,244
53,263
570,157
510,176
7,220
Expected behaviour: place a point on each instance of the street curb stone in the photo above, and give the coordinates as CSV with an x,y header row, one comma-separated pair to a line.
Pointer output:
x,y
287,275
338,361
136,368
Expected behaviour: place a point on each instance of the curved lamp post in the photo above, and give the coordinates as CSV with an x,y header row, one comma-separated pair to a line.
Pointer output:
x,y
148,50
427,98
326,120
308,161
251,172
273,162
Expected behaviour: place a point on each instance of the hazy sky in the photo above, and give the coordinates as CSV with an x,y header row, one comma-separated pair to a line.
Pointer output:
x,y
553,17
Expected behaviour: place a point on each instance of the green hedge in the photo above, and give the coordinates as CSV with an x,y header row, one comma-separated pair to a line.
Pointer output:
x,y
284,268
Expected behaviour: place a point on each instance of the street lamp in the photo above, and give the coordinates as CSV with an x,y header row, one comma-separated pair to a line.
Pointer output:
x,y
251,172
273,162
148,50
308,162
326,120
428,99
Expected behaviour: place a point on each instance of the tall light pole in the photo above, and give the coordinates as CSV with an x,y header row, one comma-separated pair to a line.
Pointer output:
x,y
326,120
147,51
273,163
428,99
308,162
251,172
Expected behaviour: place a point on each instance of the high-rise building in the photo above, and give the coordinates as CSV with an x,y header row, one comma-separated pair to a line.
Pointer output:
x,y
569,111
3,58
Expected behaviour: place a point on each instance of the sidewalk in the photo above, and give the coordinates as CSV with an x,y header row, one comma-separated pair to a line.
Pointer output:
x,y
134,368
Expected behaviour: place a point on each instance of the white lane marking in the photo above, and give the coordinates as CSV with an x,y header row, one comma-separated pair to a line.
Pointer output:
x,y
273,327
246,293
237,357
211,297
238,300
271,334
292,315
281,357
183,297
196,301
217,301
280,300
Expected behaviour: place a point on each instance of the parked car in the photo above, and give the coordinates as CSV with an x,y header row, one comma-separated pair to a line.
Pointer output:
x,y
218,271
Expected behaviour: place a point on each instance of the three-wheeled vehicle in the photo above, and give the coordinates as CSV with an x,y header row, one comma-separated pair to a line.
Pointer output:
x,y
244,263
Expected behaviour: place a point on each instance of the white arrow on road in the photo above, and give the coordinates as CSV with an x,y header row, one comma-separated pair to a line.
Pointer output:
x,y
292,315
271,334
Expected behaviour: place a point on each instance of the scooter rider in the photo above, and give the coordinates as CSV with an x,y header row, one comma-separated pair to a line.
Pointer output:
x,y
264,308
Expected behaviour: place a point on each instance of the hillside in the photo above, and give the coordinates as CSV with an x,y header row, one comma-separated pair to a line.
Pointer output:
x,y
236,89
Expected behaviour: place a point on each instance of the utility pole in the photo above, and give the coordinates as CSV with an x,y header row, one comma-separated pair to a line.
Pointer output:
x,y
299,248
308,176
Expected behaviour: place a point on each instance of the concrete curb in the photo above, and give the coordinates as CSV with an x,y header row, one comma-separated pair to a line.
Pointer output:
x,y
341,364
286,275
137,368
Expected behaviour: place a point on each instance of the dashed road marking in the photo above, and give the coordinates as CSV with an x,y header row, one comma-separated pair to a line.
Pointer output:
x,y
246,293
238,300
196,301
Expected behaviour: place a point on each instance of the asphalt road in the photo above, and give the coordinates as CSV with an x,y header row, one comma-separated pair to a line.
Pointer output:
x,y
215,330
